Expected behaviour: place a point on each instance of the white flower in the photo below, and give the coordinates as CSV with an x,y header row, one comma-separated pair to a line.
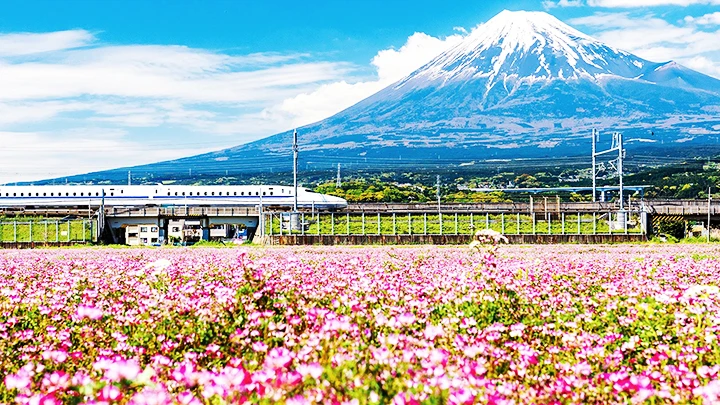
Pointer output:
x,y
490,236
701,290
159,264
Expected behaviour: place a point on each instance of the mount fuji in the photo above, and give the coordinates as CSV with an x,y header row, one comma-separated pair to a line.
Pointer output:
x,y
522,85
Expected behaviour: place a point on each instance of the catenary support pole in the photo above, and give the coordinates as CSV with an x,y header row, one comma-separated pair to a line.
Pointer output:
x,y
620,168
594,168
295,169
708,221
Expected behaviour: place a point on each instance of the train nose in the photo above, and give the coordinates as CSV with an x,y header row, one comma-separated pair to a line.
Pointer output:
x,y
338,202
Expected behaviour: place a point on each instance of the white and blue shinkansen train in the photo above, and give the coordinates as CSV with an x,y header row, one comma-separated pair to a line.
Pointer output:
x,y
72,195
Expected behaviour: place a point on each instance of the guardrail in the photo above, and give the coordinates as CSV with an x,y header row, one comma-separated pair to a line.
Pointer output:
x,y
181,211
453,223
442,239
48,231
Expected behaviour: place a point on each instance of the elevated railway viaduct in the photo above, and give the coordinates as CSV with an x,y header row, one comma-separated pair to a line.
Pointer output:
x,y
650,213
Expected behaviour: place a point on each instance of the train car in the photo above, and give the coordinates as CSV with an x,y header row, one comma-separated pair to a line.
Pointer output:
x,y
156,195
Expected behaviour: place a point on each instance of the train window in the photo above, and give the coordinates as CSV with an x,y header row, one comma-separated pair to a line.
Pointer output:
x,y
183,193
242,193
67,194
205,193
271,193
82,194
97,194
14,194
234,192
263,193
44,194
37,194
112,194
256,193
74,194
52,194
176,193
212,193
190,194
168,193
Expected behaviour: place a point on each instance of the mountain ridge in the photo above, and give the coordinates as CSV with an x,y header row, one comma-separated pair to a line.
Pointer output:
x,y
522,85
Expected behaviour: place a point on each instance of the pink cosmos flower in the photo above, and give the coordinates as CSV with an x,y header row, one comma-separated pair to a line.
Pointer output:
x,y
432,331
187,398
185,373
259,347
461,397
151,396
19,381
89,312
48,399
118,370
278,357
55,381
109,393
57,356
314,370
404,398
406,319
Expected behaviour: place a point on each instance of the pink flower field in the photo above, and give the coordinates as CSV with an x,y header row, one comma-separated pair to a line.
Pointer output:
x,y
410,325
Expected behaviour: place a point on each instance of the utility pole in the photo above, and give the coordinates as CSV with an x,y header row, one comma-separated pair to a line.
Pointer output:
x,y
438,192
621,153
101,217
617,145
709,200
594,166
337,182
295,163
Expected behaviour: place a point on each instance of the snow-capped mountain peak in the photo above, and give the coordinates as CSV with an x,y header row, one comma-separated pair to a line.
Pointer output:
x,y
522,85
530,45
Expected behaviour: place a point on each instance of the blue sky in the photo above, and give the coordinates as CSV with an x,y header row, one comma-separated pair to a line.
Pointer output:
x,y
90,85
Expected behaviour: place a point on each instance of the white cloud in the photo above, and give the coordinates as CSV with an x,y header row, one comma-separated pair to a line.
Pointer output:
x,y
562,3
391,65
97,96
656,39
648,3
29,156
31,43
704,64
707,19
176,73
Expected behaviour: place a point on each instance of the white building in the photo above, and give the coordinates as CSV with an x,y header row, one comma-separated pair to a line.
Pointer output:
x,y
142,235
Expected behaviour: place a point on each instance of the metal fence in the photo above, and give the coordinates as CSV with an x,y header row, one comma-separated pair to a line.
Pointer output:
x,y
413,223
48,231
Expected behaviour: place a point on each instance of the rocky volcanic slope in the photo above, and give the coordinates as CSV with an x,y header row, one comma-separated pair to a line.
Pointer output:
x,y
524,85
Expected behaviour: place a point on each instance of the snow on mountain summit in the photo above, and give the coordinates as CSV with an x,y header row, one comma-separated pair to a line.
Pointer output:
x,y
529,45
522,85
